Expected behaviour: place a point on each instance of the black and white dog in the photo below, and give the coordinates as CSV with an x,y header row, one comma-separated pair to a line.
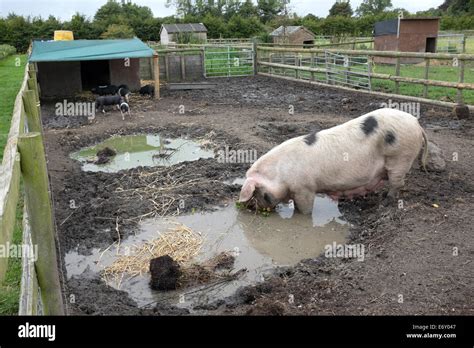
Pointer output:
x,y
124,92
122,105
148,89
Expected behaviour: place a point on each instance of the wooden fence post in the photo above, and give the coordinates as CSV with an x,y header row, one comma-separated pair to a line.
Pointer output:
x,y
203,61
460,98
183,67
397,73
35,178
156,75
32,111
255,58
427,74
33,86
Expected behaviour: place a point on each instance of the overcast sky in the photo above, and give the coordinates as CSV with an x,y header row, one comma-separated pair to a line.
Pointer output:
x,y
64,9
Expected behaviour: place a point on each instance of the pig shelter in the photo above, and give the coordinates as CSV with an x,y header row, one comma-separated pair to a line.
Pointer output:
x,y
66,68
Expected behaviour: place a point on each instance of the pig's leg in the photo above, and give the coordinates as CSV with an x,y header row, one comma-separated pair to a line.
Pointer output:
x,y
304,201
397,168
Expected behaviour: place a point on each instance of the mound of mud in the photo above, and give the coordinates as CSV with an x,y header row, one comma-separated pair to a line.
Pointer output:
x,y
105,155
165,273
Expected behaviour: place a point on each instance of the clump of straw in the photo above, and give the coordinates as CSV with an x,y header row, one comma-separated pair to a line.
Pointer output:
x,y
180,243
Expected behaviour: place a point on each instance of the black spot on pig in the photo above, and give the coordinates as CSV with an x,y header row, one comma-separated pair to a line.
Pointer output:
x,y
390,138
369,125
310,139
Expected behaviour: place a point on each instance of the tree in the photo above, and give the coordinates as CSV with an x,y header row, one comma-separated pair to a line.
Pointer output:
x,y
215,25
118,31
269,9
342,9
109,13
248,9
238,27
373,7
457,7
80,26
18,32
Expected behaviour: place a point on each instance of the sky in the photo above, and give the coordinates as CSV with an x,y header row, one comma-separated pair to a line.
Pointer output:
x,y
64,9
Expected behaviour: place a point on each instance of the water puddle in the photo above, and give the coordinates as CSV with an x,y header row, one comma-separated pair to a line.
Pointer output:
x,y
259,243
141,150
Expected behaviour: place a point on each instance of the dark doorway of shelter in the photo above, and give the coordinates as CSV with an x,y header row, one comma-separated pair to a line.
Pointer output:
x,y
94,73
431,44
308,43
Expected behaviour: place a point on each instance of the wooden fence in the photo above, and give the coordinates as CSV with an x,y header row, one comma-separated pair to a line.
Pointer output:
x,y
24,159
307,73
353,45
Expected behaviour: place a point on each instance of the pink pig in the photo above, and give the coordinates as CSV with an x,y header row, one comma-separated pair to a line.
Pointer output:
x,y
348,160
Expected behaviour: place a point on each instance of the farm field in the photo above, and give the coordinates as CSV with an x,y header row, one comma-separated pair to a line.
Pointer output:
x,y
440,73
437,72
11,78
409,249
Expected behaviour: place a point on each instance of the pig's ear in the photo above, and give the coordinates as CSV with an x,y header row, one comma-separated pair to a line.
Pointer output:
x,y
247,190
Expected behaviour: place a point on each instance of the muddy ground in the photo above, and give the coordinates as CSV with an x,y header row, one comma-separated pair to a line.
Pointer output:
x,y
409,268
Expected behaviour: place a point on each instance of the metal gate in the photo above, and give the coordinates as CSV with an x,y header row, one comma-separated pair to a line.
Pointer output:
x,y
229,61
348,70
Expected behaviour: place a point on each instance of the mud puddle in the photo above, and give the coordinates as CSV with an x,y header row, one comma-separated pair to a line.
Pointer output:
x,y
258,243
132,151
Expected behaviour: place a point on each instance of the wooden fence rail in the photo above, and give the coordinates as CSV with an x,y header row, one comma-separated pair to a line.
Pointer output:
x,y
264,59
24,157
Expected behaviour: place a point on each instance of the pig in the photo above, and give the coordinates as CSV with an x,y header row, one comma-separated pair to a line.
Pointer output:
x,y
102,102
105,90
148,89
345,161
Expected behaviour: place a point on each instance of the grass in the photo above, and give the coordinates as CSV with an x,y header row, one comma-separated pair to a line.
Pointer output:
x,y
437,72
470,45
221,61
10,287
440,73
11,77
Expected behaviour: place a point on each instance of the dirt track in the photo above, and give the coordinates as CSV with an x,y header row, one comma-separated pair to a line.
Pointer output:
x,y
409,251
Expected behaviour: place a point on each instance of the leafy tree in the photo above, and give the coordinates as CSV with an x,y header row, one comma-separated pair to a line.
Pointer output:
x,y
457,7
269,9
111,12
342,9
216,26
239,26
373,7
44,29
118,31
248,9
81,27
18,32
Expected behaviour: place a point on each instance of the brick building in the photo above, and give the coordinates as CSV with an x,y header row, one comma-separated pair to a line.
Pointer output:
x,y
406,35
295,35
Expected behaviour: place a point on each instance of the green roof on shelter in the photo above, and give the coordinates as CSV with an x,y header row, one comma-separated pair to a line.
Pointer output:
x,y
77,50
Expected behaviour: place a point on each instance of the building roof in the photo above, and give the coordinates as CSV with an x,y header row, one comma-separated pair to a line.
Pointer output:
x,y
390,26
78,50
420,18
185,28
288,29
